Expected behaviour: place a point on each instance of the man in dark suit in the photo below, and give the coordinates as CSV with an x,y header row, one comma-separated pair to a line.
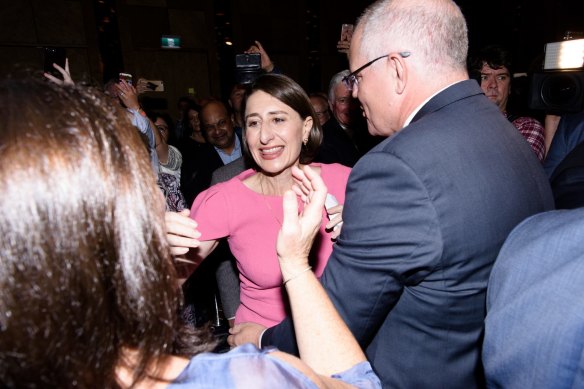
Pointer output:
x,y
336,146
223,145
426,210
535,321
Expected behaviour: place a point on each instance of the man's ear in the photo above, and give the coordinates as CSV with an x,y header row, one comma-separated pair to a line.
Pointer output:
x,y
399,72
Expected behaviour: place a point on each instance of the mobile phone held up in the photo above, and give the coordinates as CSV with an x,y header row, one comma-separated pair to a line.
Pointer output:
x,y
247,67
346,32
144,85
126,77
54,55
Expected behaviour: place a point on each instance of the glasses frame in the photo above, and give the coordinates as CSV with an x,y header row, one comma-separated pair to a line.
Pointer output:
x,y
351,80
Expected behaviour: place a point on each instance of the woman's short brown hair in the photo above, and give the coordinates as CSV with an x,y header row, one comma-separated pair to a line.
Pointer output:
x,y
290,93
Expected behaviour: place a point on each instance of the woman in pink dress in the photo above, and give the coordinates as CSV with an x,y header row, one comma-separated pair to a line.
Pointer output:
x,y
281,130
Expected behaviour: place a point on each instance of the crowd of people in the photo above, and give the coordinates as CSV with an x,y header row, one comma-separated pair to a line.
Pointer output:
x,y
397,230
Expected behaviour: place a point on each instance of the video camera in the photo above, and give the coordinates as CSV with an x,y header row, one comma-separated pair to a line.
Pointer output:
x,y
559,88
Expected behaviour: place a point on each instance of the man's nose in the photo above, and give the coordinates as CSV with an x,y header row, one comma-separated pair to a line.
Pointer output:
x,y
492,82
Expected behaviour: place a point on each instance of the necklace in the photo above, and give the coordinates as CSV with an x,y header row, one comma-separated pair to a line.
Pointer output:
x,y
264,198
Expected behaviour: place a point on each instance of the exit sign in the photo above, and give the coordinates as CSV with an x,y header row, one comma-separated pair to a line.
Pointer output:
x,y
170,42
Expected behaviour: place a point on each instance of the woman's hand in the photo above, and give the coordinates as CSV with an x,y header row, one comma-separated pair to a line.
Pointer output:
x,y
335,223
181,232
298,231
343,46
127,93
67,80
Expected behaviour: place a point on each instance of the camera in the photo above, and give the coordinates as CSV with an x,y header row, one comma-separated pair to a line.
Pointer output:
x,y
559,87
247,67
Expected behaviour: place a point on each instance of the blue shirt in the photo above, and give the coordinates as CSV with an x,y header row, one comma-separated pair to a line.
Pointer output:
x,y
248,367
235,154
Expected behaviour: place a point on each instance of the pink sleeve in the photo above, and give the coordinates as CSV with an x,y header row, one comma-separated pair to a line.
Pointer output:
x,y
211,210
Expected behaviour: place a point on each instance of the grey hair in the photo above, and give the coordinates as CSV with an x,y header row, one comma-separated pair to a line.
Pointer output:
x,y
336,80
434,31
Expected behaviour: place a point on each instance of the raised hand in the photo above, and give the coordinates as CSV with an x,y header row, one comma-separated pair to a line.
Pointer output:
x,y
67,80
267,63
298,230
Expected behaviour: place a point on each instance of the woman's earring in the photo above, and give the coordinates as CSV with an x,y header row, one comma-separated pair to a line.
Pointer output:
x,y
305,141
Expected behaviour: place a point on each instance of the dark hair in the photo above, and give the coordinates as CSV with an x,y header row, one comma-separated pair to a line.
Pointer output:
x,y
85,269
495,56
290,93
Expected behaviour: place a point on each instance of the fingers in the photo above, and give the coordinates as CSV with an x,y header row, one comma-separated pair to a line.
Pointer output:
x,y
334,224
52,78
67,80
319,190
259,46
244,333
336,209
181,232
336,232
290,207
302,187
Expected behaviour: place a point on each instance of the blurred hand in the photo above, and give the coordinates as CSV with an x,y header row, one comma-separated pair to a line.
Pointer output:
x,y
67,80
141,86
181,232
343,46
127,94
267,64
245,333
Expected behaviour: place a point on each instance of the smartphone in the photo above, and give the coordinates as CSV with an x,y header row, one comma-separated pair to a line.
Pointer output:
x,y
126,77
347,32
54,55
247,67
154,85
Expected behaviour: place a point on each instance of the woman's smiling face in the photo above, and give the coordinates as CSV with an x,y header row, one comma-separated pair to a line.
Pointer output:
x,y
274,132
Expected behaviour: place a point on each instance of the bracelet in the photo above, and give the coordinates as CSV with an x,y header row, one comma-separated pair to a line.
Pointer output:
x,y
297,275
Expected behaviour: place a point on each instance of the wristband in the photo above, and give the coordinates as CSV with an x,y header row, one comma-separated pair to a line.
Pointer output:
x,y
297,275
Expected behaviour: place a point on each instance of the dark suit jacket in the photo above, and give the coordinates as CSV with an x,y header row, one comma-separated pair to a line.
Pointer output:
x,y
567,180
336,146
199,163
426,212
534,325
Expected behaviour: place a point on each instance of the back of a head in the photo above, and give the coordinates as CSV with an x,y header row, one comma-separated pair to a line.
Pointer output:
x,y
84,264
434,31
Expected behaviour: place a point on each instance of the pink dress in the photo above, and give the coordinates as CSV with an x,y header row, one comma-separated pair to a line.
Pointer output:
x,y
251,222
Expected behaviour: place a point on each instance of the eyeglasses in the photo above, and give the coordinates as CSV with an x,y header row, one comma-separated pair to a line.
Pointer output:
x,y
351,80
220,124
321,113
